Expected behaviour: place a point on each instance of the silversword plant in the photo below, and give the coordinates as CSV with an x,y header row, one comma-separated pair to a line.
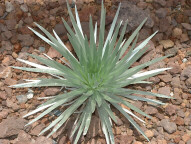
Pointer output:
x,y
95,79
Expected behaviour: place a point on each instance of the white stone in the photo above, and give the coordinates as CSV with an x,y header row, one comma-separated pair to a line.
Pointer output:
x,y
30,94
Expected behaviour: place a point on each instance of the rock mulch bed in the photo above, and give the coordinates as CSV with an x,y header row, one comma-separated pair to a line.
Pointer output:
x,y
171,123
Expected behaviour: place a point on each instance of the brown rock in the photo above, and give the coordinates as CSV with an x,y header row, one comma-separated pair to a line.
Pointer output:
x,y
7,35
169,127
3,95
43,140
184,38
186,73
151,110
60,29
3,114
164,91
186,26
188,82
187,12
179,121
37,129
25,30
161,12
85,13
11,24
53,53
142,5
23,138
170,109
26,40
17,47
186,137
161,2
175,68
165,78
177,32
176,82
158,37
167,43
62,140
10,81
135,15
124,139
51,91
11,104
2,10
164,25
149,133
11,126
4,141
137,142
6,45
5,72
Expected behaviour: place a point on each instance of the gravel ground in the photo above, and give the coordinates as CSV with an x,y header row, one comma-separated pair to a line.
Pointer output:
x,y
171,123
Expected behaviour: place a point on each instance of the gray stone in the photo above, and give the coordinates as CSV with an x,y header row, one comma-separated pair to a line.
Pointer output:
x,y
41,49
21,98
60,29
6,45
169,127
164,24
11,24
9,6
26,40
24,8
174,22
189,141
172,51
161,13
135,16
7,35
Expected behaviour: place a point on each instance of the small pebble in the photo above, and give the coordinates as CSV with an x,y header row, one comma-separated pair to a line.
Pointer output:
x,y
24,8
30,94
167,43
41,49
184,60
22,98
14,55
